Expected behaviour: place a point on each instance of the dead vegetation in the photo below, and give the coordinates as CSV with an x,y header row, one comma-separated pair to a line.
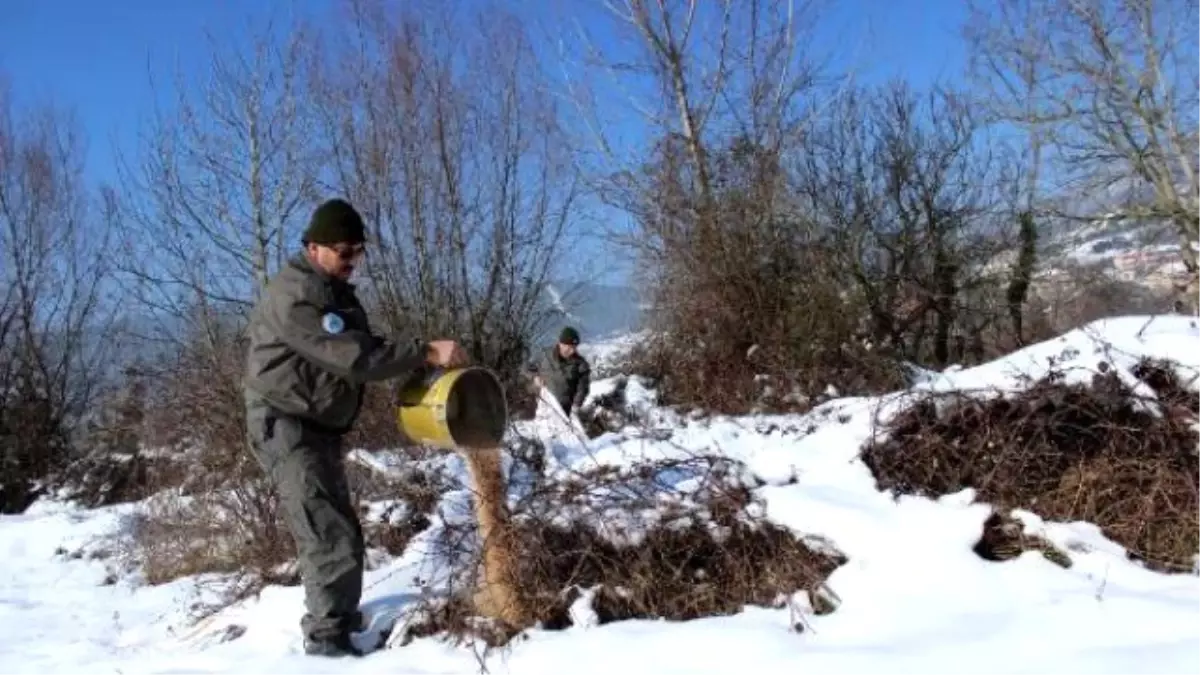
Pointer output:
x,y
234,539
223,533
824,246
395,506
1101,452
614,544
56,342
673,539
1004,538
611,411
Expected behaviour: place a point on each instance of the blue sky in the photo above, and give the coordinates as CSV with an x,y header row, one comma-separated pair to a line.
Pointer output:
x,y
97,57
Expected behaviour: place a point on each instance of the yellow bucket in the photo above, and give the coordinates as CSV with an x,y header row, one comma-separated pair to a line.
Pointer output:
x,y
463,408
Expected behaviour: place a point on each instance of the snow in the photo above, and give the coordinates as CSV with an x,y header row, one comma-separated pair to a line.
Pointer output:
x,y
913,596
1117,342
606,354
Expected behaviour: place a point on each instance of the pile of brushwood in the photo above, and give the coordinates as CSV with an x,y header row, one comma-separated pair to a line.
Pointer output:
x,y
621,543
611,411
396,504
1119,452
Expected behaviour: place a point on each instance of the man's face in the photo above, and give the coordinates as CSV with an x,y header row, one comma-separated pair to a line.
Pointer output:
x,y
566,350
336,260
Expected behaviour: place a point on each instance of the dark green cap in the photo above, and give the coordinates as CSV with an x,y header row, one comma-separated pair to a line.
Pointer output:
x,y
569,336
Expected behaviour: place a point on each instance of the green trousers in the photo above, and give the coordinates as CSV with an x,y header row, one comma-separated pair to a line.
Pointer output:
x,y
305,467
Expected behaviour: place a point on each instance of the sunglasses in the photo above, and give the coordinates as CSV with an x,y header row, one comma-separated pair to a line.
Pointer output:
x,y
348,253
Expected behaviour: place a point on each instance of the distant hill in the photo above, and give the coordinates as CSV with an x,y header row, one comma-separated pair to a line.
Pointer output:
x,y
1139,252
599,311
1143,255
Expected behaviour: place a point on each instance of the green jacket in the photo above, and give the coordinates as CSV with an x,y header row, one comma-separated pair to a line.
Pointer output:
x,y
311,348
567,379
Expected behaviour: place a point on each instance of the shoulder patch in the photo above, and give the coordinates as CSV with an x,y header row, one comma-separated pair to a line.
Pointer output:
x,y
333,323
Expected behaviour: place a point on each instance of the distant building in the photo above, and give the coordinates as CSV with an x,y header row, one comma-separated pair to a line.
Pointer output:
x,y
1158,268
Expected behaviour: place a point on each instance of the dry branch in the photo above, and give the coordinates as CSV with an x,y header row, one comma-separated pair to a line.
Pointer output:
x,y
1099,453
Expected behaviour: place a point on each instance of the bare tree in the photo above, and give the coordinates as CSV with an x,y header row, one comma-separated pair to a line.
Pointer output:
x,y
1110,88
451,146
1010,83
699,74
917,203
724,93
217,188
208,209
54,327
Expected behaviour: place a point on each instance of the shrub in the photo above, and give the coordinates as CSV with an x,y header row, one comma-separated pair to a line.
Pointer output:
x,y
614,544
235,535
395,505
1102,453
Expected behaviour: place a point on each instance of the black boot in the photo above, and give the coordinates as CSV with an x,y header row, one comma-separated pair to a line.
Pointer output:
x,y
332,646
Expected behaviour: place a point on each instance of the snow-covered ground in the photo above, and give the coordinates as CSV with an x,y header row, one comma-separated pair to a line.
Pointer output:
x,y
913,596
606,354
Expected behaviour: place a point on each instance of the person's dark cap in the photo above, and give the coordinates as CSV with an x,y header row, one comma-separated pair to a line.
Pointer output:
x,y
335,222
569,336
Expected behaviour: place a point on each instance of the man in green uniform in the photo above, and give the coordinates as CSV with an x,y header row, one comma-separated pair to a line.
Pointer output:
x,y
563,371
311,353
